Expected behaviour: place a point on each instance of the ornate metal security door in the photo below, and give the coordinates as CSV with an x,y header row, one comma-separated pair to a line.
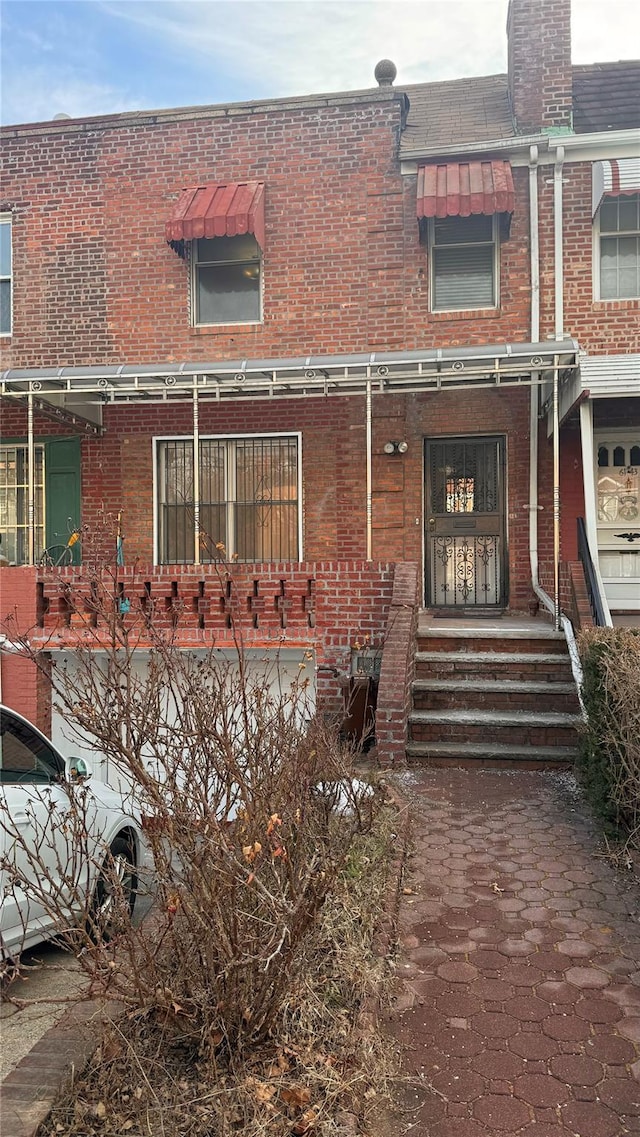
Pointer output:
x,y
465,529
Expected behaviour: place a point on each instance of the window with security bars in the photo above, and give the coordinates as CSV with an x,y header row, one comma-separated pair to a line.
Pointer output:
x,y
14,503
463,255
619,247
248,496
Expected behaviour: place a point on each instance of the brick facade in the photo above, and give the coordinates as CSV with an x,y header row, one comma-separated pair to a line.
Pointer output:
x,y
95,283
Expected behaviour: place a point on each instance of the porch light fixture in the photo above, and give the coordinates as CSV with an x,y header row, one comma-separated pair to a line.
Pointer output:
x,y
395,447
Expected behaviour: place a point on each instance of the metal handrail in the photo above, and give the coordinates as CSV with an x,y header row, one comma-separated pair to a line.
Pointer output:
x,y
591,580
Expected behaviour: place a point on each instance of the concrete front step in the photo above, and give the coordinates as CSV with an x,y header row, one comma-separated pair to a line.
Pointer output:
x,y
498,639
514,728
498,694
489,754
486,665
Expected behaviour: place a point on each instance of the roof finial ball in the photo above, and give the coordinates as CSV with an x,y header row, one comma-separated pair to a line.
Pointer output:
x,y
385,73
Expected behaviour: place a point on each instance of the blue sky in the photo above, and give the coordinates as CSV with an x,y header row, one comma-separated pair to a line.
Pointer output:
x,y
85,57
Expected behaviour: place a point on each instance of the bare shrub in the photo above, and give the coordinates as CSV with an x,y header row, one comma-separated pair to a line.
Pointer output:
x,y
610,753
244,848
321,1071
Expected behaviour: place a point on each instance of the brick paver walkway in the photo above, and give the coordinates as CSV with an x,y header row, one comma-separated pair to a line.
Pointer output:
x,y
521,961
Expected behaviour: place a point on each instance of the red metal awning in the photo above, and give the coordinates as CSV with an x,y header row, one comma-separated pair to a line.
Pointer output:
x,y
615,178
459,189
227,209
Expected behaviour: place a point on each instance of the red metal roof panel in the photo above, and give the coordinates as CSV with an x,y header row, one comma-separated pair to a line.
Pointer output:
x,y
460,189
227,209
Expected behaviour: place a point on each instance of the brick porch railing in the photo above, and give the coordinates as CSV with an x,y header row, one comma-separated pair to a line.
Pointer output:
x,y
327,607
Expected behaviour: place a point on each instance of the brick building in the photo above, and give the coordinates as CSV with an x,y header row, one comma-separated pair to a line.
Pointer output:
x,y
398,326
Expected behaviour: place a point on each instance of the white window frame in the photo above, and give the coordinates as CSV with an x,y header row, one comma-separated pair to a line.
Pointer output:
x,y
7,219
597,235
160,439
193,293
40,489
495,242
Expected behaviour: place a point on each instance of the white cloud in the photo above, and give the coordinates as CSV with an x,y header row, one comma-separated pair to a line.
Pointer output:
x,y
605,31
285,47
42,94
104,56
302,46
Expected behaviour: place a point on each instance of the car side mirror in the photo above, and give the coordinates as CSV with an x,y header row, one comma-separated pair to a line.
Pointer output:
x,y
79,770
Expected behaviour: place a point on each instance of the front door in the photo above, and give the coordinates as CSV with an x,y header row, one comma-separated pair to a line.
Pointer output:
x,y
465,527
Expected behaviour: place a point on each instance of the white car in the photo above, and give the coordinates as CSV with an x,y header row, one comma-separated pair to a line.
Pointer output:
x,y
58,832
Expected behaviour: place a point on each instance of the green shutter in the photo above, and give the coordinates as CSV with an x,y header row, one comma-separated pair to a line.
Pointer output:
x,y
62,491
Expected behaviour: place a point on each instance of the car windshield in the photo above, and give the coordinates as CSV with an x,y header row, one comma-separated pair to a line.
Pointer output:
x,y
24,755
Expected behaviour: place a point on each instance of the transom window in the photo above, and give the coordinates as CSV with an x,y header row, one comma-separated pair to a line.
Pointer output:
x,y
463,255
5,275
249,500
14,503
619,247
226,280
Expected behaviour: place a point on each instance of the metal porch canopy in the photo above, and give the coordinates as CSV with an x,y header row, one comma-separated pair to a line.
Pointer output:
x,y
366,374
376,372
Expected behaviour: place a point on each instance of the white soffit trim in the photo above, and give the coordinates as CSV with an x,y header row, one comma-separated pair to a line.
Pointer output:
x,y
614,177
603,375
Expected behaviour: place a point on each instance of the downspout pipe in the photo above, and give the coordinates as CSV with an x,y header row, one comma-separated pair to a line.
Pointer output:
x,y
31,483
534,507
196,475
369,486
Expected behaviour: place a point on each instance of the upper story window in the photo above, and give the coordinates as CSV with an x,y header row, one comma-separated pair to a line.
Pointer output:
x,y
464,263
462,208
249,499
618,247
227,280
5,275
220,227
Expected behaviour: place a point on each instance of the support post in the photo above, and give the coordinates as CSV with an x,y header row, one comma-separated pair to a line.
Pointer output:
x,y
31,483
556,498
196,475
368,476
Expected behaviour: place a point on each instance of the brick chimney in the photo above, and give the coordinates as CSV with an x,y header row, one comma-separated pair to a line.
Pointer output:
x,y
540,83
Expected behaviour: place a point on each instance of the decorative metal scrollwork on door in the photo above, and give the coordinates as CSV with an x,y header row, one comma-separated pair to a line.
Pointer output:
x,y
465,522
466,570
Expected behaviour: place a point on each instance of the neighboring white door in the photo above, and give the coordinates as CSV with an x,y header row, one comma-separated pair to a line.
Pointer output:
x,y
32,808
617,455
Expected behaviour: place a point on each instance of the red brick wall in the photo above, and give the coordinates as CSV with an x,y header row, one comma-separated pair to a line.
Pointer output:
x,y
117,469
24,688
95,280
398,667
602,327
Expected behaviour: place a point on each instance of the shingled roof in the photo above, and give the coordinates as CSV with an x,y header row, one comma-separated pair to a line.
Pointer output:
x,y
606,96
458,112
